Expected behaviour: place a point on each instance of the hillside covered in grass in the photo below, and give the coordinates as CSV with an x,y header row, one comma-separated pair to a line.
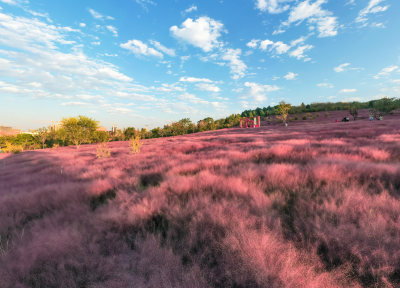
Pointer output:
x,y
314,204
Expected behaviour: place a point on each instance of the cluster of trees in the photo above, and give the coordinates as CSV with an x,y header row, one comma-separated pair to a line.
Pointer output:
x,y
83,130
381,106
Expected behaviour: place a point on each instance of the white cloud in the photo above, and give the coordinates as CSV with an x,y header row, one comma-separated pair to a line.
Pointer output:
x,y
281,48
208,87
237,66
386,71
253,43
258,92
39,61
299,52
202,32
139,48
314,15
341,67
348,91
99,16
162,48
325,85
82,24
194,80
290,76
272,6
10,2
372,8
113,30
191,9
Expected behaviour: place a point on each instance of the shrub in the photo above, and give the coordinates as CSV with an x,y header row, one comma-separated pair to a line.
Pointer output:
x,y
296,118
326,114
304,117
11,148
317,115
103,151
135,144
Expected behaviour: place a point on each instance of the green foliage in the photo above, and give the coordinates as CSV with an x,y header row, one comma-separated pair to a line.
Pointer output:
x,y
41,135
79,130
354,110
206,124
385,106
12,148
100,136
304,117
129,132
282,110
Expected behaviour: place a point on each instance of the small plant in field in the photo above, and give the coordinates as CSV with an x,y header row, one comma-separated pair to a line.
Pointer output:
x,y
103,151
304,117
11,148
326,114
296,118
55,146
135,144
317,115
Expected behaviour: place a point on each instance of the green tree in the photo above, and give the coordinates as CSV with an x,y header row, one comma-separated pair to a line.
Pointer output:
x,y
283,110
42,134
79,130
384,106
130,132
353,110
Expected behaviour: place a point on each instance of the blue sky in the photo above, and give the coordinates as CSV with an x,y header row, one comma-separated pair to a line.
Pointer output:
x,y
145,63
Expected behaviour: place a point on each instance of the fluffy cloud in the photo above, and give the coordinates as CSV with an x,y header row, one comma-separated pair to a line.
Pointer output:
x,y
372,8
348,91
237,66
281,48
202,32
387,71
41,61
162,48
290,76
191,9
341,67
258,92
325,23
139,48
208,87
299,52
272,6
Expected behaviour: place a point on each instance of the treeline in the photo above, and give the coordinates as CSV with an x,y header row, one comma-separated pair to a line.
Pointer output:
x,y
383,105
83,130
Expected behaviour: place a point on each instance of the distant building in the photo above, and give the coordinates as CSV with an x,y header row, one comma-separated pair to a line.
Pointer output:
x,y
55,125
114,129
8,131
104,129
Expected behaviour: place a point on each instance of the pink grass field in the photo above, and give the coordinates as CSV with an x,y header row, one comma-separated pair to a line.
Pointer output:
x,y
314,204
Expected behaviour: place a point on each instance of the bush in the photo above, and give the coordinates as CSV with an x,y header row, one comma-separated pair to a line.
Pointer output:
x,y
135,144
326,114
11,148
304,117
103,151
296,118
